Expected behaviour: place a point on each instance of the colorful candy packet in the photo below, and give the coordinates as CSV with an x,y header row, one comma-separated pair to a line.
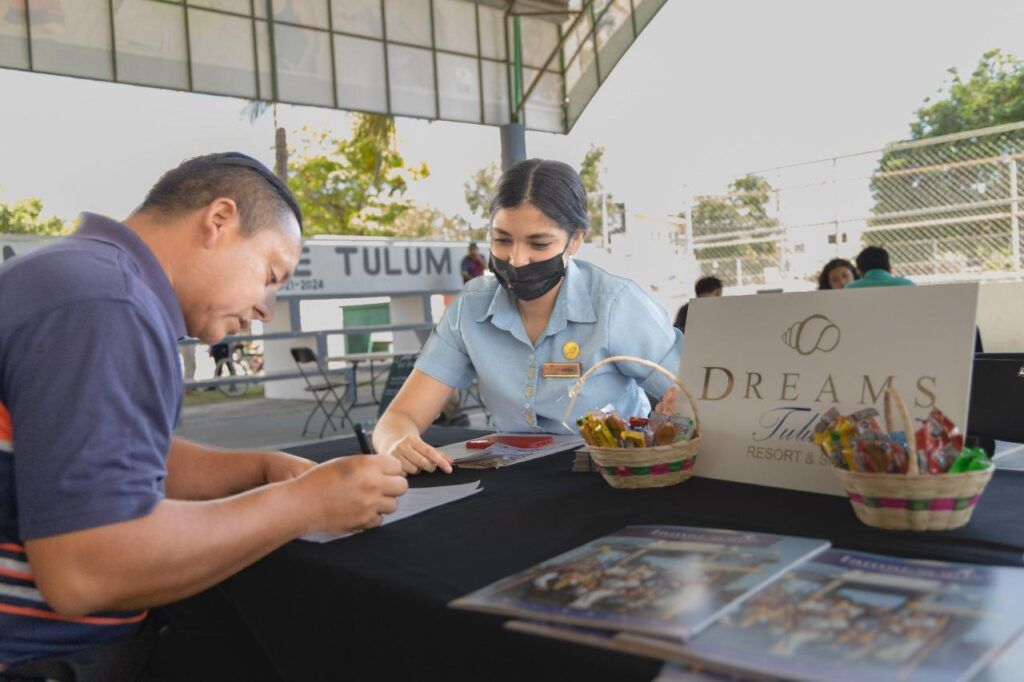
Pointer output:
x,y
858,443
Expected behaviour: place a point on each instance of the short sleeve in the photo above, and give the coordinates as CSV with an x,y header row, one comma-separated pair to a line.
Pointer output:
x,y
92,392
444,355
640,328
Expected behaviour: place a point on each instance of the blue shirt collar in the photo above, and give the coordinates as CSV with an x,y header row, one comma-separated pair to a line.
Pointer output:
x,y
103,229
573,304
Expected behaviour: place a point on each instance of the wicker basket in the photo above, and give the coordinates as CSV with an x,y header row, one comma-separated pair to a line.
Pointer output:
x,y
655,467
912,501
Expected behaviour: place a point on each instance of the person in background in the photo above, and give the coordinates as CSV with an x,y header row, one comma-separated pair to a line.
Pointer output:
x,y
836,274
705,287
473,265
873,261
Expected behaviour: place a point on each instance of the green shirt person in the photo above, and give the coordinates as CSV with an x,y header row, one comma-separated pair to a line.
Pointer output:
x,y
873,261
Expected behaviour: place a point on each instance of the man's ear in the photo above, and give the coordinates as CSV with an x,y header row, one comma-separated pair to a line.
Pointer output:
x,y
218,219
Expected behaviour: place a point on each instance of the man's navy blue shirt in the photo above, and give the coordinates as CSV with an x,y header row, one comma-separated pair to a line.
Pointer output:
x,y
90,391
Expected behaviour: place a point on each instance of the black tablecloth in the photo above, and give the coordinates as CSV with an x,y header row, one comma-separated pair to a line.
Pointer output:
x,y
373,606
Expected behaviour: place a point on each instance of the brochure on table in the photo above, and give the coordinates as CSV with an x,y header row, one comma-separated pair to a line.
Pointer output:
x,y
851,616
671,581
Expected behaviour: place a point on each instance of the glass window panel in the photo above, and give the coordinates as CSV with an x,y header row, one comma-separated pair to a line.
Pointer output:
x,y
13,35
614,35
581,90
151,47
459,87
362,17
412,81
261,8
222,54
645,11
408,21
237,6
492,33
72,38
495,77
360,69
539,39
263,60
544,108
455,25
304,12
303,65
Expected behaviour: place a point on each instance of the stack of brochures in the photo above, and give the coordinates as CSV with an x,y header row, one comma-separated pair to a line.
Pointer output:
x,y
501,455
764,606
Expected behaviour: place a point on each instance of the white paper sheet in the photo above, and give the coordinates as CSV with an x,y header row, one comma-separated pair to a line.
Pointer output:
x,y
414,501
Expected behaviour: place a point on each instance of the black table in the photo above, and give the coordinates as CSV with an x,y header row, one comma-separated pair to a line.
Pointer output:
x,y
373,606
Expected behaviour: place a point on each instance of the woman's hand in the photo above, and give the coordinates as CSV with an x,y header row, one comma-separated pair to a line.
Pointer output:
x,y
416,456
667,406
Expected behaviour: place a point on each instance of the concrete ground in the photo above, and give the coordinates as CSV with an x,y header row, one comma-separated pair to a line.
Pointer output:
x,y
263,423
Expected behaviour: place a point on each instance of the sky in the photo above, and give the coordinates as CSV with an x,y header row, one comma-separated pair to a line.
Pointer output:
x,y
711,90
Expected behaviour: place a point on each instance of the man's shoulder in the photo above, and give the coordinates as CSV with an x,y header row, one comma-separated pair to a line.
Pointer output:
x,y
65,272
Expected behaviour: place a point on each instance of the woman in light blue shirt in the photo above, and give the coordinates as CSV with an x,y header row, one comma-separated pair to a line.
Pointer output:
x,y
527,333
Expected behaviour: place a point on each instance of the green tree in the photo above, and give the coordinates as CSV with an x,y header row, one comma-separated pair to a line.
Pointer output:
x,y
724,221
479,190
935,184
592,169
356,184
26,217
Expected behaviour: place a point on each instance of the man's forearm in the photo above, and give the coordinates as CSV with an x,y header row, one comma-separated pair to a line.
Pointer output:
x,y
178,550
199,472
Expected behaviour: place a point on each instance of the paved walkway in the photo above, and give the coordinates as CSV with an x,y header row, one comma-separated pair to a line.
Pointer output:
x,y
264,423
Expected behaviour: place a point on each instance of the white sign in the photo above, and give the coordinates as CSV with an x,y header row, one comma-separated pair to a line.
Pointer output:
x,y
13,244
349,268
765,368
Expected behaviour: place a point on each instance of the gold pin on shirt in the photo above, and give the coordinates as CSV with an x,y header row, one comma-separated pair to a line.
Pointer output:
x,y
571,350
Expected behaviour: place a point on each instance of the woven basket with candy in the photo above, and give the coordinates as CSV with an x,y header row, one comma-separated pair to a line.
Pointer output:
x,y
635,452
925,482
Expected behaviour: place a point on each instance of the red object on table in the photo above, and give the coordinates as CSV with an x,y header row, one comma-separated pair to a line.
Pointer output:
x,y
525,442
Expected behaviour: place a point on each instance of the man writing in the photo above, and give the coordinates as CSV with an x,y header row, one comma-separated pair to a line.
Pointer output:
x,y
103,513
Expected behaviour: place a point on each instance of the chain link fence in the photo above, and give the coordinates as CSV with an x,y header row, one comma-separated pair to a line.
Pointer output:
x,y
946,208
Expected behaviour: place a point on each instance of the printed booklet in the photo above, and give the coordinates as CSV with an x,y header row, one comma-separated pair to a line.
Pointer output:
x,y
852,616
667,581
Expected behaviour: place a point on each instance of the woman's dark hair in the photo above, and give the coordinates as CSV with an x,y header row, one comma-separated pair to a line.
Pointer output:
x,y
552,186
832,265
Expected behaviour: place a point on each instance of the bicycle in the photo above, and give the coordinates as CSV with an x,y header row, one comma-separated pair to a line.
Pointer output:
x,y
243,360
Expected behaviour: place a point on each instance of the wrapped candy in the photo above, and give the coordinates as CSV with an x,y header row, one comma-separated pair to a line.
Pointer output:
x,y
970,459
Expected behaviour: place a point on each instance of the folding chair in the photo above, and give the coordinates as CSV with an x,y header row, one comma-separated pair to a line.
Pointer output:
x,y
322,385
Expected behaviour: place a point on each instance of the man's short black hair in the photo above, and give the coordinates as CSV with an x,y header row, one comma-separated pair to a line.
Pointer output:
x,y
472,245
707,285
263,200
873,258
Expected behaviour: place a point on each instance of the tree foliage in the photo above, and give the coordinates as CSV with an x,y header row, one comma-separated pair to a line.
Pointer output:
x,y
479,190
355,184
26,217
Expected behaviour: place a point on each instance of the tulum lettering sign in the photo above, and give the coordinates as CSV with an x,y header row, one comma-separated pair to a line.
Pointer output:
x,y
332,268
765,368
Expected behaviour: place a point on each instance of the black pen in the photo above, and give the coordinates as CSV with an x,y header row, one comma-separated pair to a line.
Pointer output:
x,y
364,445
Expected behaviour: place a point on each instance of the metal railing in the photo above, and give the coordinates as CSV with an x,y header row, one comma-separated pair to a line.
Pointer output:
x,y
946,209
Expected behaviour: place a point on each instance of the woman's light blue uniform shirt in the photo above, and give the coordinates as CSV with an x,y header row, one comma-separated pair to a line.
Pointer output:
x,y
482,335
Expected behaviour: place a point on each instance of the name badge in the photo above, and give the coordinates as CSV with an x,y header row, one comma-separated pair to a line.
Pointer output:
x,y
561,370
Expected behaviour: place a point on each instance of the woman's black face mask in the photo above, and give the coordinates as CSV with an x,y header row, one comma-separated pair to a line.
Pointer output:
x,y
528,282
